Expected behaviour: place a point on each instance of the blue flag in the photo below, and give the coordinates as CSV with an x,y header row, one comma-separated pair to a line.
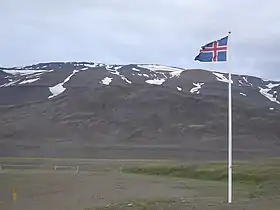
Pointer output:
x,y
215,51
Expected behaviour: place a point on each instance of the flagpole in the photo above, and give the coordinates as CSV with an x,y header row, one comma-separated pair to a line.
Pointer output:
x,y
229,127
201,57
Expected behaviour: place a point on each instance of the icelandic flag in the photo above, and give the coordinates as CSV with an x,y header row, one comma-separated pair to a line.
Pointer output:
x,y
214,51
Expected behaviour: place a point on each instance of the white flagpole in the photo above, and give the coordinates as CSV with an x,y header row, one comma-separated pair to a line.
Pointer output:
x,y
229,129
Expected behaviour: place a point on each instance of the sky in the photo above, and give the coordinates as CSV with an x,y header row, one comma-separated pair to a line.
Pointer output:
x,y
167,32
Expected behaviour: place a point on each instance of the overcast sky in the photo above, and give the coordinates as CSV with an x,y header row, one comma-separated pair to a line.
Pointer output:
x,y
167,32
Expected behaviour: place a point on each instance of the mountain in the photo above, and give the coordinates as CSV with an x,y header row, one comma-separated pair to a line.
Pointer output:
x,y
85,109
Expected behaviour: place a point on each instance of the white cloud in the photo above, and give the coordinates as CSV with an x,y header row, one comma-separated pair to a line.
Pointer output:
x,y
126,31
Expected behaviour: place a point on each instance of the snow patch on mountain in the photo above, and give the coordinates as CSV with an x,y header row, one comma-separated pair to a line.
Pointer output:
x,y
125,79
56,90
220,77
89,65
135,69
59,88
11,83
173,72
196,88
246,80
28,81
36,75
265,92
155,67
270,85
106,80
155,81
176,73
113,70
145,75
240,82
162,74
71,75
118,67
30,76
23,72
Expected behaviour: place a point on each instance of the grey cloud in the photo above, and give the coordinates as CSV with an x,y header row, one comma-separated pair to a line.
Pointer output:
x,y
125,31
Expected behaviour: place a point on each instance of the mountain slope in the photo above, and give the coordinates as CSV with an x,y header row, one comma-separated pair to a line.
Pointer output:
x,y
82,109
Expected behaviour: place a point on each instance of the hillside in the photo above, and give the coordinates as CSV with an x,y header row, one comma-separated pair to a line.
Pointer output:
x,y
81,109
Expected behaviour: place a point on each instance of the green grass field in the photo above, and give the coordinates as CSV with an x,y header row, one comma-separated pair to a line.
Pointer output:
x,y
144,185
256,185
245,173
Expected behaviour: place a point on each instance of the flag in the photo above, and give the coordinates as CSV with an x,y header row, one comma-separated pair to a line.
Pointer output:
x,y
215,51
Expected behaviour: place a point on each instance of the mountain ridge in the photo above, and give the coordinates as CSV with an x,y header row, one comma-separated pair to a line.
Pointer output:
x,y
127,64
81,108
81,66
